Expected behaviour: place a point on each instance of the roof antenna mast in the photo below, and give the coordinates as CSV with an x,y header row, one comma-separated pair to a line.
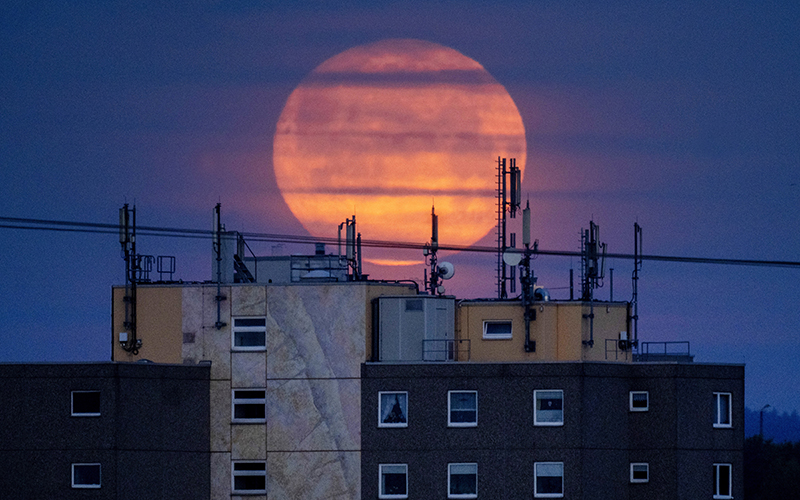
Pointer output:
x,y
507,179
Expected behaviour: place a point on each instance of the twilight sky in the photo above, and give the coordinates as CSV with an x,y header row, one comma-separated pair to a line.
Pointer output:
x,y
684,117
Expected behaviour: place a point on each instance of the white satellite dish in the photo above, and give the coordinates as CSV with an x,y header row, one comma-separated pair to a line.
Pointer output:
x,y
446,270
512,258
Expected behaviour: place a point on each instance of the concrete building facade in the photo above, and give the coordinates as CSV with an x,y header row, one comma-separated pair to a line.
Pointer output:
x,y
365,389
104,430
616,430
285,389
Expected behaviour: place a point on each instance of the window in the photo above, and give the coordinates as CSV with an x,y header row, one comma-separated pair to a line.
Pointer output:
x,y
85,475
393,481
392,409
722,409
497,329
548,407
249,334
85,403
249,478
462,408
722,481
249,406
548,479
640,473
462,480
639,401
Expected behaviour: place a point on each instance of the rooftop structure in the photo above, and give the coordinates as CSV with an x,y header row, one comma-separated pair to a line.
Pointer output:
x,y
318,380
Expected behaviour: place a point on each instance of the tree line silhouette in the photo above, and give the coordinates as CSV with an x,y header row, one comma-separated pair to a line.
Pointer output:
x,y
771,470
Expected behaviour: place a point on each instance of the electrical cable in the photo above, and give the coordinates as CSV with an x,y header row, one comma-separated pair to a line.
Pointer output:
x,y
101,228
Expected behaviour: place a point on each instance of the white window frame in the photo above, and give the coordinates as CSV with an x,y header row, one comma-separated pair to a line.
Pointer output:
x,y
72,405
717,469
536,421
498,336
718,417
248,329
380,407
636,408
536,480
242,473
88,486
646,467
381,493
462,495
450,410
248,401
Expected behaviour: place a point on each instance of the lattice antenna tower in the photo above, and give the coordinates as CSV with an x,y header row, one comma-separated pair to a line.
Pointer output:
x,y
509,185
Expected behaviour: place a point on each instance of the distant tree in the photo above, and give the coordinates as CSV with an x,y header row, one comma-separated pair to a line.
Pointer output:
x,y
771,471
778,426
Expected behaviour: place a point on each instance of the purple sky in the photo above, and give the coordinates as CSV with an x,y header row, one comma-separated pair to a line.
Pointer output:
x,y
684,117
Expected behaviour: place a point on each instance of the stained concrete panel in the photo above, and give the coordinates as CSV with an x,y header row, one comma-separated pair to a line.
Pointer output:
x,y
318,475
249,369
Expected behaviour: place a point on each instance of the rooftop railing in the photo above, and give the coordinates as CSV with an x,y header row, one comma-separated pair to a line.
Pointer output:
x,y
675,351
445,350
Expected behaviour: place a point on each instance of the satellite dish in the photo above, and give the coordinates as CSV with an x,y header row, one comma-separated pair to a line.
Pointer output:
x,y
446,270
512,258
541,294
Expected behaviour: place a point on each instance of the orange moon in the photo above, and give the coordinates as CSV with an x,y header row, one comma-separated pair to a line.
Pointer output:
x,y
385,130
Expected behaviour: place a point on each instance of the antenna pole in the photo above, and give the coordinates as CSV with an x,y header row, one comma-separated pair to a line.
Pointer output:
x,y
504,203
432,283
507,178
358,255
127,238
217,244
637,266
352,248
527,279
501,227
593,254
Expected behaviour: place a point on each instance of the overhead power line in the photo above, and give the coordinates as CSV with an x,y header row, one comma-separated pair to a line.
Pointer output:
x,y
101,228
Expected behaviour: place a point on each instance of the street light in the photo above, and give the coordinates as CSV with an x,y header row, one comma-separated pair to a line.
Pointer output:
x,y
761,422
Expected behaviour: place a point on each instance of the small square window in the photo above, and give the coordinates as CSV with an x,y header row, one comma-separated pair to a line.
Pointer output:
x,y
85,475
249,478
462,480
249,334
548,479
462,408
85,403
393,481
640,473
249,406
497,329
639,401
722,409
722,481
392,409
548,408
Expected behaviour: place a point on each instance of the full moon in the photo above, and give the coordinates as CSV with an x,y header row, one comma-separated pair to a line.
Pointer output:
x,y
386,130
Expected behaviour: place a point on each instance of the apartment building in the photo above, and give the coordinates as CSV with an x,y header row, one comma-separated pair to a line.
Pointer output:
x,y
324,384
104,430
590,430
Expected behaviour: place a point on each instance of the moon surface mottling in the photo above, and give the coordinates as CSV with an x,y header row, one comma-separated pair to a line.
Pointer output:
x,y
386,129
